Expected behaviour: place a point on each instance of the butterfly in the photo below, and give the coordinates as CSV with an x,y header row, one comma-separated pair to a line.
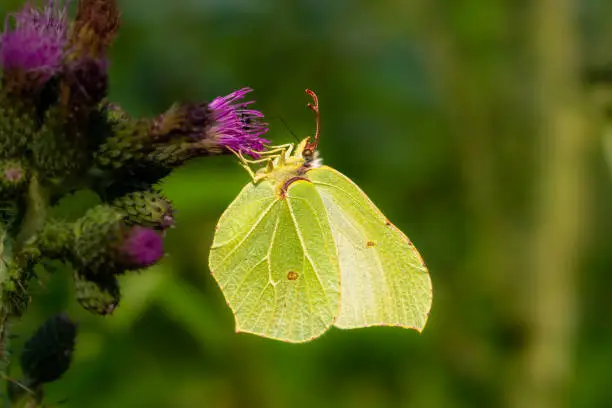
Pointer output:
x,y
302,248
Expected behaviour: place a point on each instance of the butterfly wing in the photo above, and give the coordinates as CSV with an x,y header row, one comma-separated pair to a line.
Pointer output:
x,y
384,279
275,261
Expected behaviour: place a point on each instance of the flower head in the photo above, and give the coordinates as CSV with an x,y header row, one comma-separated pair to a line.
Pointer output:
x,y
142,247
236,127
13,176
37,40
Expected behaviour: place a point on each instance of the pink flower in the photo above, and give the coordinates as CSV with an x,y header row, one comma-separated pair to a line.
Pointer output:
x,y
236,126
37,40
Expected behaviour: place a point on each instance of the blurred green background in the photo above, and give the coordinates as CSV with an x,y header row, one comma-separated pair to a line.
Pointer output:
x,y
476,126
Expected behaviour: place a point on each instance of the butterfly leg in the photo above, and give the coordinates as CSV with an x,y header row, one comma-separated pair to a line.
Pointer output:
x,y
276,150
245,163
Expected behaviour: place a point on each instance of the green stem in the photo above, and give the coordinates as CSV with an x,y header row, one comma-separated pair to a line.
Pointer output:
x,y
37,202
13,262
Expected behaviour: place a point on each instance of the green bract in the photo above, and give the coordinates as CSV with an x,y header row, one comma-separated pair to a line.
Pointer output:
x,y
302,248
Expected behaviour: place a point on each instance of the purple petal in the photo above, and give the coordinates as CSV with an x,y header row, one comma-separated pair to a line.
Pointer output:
x,y
237,127
143,247
37,40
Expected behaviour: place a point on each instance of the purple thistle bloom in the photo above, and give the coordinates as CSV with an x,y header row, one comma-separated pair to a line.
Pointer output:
x,y
142,247
237,127
37,41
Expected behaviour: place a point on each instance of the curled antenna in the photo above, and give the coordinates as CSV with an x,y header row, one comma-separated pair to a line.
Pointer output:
x,y
315,108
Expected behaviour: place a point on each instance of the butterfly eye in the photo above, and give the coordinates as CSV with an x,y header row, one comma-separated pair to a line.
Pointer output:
x,y
307,153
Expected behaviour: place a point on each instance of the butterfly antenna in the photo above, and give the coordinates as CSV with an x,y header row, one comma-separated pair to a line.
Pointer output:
x,y
286,126
315,108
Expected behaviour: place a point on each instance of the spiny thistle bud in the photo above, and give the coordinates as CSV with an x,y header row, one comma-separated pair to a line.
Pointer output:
x,y
99,295
146,208
13,177
59,150
56,239
48,353
107,245
115,114
130,143
31,51
17,128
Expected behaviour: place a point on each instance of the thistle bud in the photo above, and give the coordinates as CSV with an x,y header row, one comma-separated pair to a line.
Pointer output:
x,y
56,240
107,245
59,149
146,208
13,177
99,295
129,143
17,129
48,353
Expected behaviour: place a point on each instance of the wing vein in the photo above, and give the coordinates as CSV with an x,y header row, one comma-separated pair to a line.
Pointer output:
x,y
301,238
249,273
248,234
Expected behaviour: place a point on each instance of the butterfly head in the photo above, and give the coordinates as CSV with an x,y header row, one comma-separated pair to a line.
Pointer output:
x,y
307,148
285,161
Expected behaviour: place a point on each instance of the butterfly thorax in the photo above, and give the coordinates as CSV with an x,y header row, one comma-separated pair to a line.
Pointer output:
x,y
287,165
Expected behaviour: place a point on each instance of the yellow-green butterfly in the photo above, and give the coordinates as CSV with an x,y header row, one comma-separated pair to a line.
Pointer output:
x,y
302,249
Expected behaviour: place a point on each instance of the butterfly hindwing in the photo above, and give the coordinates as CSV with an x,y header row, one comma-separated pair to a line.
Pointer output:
x,y
384,280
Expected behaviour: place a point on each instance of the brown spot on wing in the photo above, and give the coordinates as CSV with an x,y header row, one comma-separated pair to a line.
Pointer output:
x,y
291,275
370,244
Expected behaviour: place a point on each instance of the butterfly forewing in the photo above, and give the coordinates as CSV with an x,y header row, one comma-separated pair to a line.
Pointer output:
x,y
274,258
384,280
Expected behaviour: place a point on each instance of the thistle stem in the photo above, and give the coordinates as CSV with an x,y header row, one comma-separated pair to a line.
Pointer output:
x,y
37,201
12,262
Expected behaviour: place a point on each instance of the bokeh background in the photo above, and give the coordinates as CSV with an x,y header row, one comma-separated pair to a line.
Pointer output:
x,y
477,126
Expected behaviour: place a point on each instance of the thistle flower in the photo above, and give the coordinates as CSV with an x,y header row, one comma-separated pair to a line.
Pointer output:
x,y
13,176
142,247
36,42
106,245
235,126
149,149
12,172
